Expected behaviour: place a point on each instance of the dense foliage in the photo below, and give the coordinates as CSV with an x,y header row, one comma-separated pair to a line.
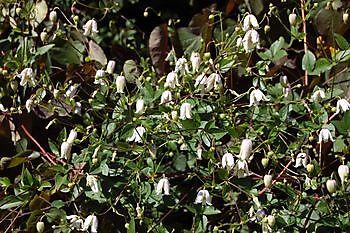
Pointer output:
x,y
233,118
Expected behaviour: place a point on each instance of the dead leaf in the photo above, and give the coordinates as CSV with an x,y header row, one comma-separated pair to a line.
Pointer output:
x,y
158,47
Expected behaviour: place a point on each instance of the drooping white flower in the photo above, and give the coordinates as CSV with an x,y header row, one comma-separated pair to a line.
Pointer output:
x,y
92,222
171,80
324,136
199,152
29,105
110,67
287,91
246,149
228,161
185,111
90,28
251,40
201,81
75,222
249,22
302,160
267,180
342,106
166,97
318,95
137,135
100,74
27,77
203,197
196,61
239,42
163,186
174,115
53,16
213,81
284,81
140,106
120,83
72,136
91,181
331,186
256,96
181,66
241,169
343,172
66,148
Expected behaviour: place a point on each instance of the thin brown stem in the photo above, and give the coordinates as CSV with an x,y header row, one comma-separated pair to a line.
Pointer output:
x,y
302,6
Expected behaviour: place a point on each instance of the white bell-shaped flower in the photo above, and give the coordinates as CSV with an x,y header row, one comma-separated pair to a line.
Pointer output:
x,y
302,160
201,81
92,222
171,80
239,42
90,28
246,149
251,40
318,95
185,111
267,180
199,152
163,186
27,77
324,136
137,135
213,81
228,161
331,186
181,66
110,67
53,16
256,96
166,97
140,106
343,172
75,222
72,136
91,181
29,105
66,148
342,106
100,74
196,61
203,197
120,83
241,169
249,22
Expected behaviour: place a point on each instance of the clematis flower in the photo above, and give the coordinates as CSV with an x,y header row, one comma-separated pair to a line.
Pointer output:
x,y
249,22
120,83
301,160
92,222
100,74
284,81
90,28
75,222
163,185
199,152
196,61
342,106
181,66
185,111
331,186
166,97
91,181
53,16
203,197
72,136
324,136
27,77
343,172
137,135
256,96
201,81
140,106
251,40
267,181
228,161
213,81
66,148
318,95
241,169
29,105
110,67
239,42
246,149
171,80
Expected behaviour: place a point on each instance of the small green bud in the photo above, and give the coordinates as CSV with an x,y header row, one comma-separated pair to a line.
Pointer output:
x,y
265,162
292,19
267,28
310,168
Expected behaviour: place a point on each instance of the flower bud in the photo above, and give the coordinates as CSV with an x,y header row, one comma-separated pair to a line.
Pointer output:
x,y
331,186
268,181
40,226
120,83
186,111
265,162
310,168
140,106
267,28
110,67
43,37
292,19
345,18
271,220
343,172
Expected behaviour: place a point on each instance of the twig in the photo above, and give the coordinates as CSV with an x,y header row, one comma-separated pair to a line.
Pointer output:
x,y
279,175
43,152
12,222
302,6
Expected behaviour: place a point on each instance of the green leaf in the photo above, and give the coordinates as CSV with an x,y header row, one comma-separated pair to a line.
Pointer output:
x,y
226,64
339,145
131,71
57,204
5,182
44,49
180,162
308,61
322,65
67,54
277,46
341,41
210,210
39,13
131,228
